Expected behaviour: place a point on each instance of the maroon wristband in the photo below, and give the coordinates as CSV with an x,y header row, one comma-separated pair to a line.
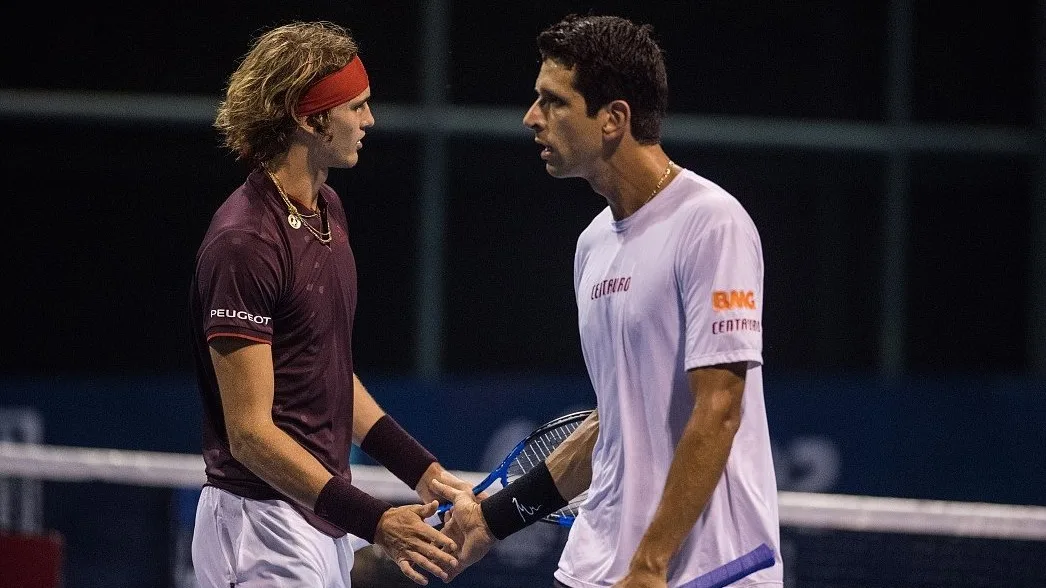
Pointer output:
x,y
395,449
350,508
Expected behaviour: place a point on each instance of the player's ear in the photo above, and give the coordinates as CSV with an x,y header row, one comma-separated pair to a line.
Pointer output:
x,y
618,117
305,124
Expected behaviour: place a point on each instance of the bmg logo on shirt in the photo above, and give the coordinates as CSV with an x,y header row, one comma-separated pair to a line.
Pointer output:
x,y
733,300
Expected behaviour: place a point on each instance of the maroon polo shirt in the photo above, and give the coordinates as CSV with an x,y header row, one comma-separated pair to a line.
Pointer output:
x,y
259,279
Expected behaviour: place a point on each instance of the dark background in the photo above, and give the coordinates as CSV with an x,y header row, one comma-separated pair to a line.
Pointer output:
x,y
104,215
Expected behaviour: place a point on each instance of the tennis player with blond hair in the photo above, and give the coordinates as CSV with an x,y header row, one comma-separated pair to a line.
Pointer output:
x,y
272,304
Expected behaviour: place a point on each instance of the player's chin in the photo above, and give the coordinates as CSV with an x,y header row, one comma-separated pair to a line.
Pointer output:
x,y
350,160
556,171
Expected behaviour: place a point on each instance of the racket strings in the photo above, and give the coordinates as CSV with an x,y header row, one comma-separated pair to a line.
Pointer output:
x,y
536,450
529,453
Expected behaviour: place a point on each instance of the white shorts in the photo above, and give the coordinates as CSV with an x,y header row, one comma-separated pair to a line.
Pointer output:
x,y
239,542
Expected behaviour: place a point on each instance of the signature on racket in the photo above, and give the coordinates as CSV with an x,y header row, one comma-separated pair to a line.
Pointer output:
x,y
531,451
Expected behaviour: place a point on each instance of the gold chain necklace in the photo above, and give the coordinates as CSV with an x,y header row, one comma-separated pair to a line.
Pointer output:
x,y
296,219
664,176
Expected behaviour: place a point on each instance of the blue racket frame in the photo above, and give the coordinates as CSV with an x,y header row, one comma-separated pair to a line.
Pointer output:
x,y
501,472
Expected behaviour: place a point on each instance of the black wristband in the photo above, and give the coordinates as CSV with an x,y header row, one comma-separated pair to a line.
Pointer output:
x,y
525,500
395,449
350,508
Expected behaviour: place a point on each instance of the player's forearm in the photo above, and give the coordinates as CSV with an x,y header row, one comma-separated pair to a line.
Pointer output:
x,y
272,455
246,380
286,466
571,463
365,411
695,471
381,437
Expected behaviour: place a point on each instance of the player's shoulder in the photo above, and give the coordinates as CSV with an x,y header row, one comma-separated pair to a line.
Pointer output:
x,y
242,220
703,201
597,227
699,194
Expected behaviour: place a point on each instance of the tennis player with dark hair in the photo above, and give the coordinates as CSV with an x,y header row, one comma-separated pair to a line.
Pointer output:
x,y
669,286
272,305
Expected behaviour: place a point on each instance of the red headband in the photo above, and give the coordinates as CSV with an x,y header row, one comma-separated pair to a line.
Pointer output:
x,y
337,88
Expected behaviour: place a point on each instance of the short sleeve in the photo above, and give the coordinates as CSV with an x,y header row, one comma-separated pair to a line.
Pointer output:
x,y
239,280
720,273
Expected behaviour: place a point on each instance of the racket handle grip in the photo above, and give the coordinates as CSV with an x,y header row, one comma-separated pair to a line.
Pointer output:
x,y
437,520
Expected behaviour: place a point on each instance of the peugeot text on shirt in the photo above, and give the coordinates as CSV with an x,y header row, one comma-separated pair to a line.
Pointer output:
x,y
240,314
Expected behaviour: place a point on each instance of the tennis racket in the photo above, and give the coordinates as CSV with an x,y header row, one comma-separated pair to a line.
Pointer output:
x,y
531,451
761,557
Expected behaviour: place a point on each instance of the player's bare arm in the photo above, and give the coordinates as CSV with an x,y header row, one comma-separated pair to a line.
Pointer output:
x,y
571,463
245,378
696,468
365,411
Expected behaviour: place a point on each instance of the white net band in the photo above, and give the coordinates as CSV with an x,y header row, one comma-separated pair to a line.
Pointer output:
x,y
797,509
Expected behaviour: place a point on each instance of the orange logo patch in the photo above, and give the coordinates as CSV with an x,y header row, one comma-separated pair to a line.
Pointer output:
x,y
732,300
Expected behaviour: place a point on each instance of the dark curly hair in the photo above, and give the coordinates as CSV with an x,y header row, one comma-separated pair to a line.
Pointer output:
x,y
612,59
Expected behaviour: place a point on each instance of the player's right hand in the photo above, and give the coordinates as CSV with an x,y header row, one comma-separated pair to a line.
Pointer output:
x,y
464,523
410,541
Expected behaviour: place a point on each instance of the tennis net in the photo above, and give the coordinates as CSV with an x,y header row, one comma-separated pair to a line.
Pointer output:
x,y
102,500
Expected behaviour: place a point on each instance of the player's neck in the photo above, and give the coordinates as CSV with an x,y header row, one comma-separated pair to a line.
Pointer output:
x,y
632,178
299,180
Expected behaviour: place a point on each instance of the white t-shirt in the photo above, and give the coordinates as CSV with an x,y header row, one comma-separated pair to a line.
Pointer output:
x,y
675,286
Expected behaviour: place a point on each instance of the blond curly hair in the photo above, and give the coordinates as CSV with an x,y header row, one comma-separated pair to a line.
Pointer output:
x,y
256,118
